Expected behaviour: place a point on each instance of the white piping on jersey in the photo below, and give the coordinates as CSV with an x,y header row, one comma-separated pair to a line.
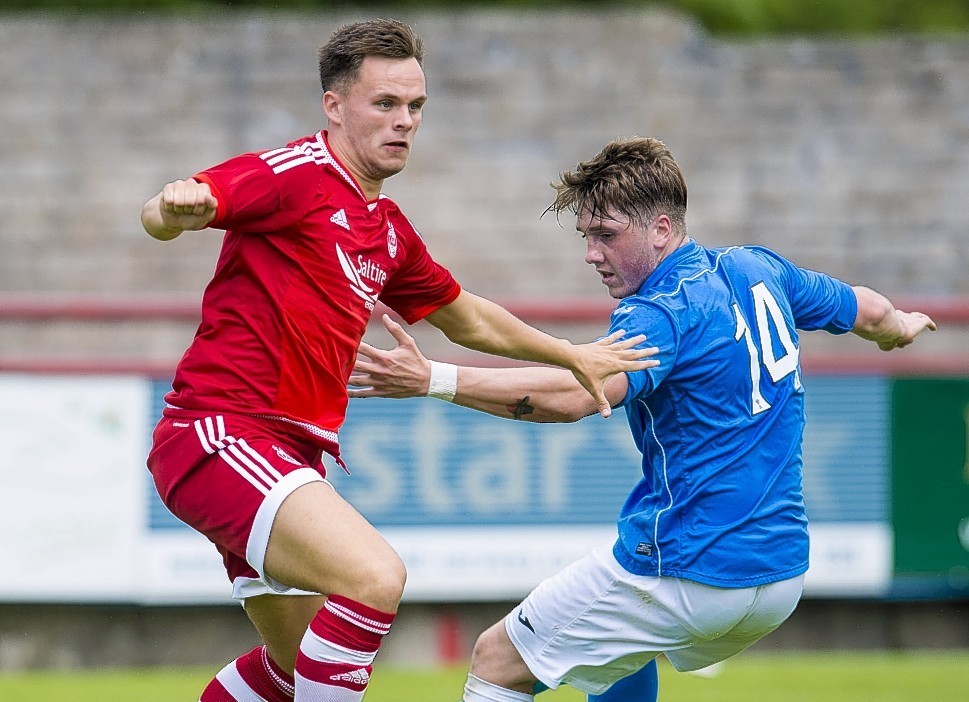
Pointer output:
x,y
328,158
652,421
311,428
666,485
282,159
705,271
242,458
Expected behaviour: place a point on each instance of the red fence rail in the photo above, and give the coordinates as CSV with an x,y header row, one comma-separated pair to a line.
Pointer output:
x,y
40,309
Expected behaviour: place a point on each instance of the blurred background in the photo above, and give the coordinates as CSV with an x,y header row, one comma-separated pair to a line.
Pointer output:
x,y
834,132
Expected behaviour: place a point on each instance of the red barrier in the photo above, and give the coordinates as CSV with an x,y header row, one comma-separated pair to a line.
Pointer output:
x,y
944,310
39,309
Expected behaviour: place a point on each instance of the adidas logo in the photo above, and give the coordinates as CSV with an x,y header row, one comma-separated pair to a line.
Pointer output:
x,y
358,677
339,218
285,456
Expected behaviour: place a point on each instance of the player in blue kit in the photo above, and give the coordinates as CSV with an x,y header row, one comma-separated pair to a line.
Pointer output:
x,y
712,541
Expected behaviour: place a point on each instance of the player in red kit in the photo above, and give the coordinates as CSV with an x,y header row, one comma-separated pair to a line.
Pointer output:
x,y
310,246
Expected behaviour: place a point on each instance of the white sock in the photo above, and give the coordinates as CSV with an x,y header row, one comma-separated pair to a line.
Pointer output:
x,y
336,656
478,690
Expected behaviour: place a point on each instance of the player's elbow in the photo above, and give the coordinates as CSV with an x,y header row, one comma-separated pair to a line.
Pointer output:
x,y
572,408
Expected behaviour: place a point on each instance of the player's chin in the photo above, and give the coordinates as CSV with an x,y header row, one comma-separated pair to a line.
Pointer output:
x,y
391,168
616,291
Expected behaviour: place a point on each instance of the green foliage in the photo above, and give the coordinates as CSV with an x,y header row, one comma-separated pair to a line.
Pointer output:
x,y
792,677
809,17
732,17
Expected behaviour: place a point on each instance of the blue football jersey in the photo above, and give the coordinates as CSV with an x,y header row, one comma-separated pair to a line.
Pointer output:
x,y
719,421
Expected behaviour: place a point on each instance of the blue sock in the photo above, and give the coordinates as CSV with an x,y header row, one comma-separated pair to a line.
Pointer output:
x,y
641,686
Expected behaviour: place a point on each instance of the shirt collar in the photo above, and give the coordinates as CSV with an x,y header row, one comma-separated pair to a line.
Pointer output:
x,y
674,259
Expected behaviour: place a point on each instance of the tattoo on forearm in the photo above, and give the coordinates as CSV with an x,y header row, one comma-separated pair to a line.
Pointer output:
x,y
521,408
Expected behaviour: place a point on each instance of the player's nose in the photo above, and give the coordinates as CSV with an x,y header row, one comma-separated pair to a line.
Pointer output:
x,y
593,255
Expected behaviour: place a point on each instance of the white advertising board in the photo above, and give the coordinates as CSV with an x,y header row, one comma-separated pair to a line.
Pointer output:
x,y
478,508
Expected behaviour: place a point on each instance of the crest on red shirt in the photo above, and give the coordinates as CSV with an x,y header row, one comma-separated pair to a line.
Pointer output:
x,y
391,241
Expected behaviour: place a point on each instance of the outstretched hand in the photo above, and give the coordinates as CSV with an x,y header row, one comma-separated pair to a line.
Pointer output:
x,y
604,358
402,371
910,325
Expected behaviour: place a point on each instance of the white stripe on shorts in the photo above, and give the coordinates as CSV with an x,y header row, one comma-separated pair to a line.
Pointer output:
x,y
244,460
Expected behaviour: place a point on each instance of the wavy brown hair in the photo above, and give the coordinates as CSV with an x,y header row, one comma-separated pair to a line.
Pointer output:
x,y
636,177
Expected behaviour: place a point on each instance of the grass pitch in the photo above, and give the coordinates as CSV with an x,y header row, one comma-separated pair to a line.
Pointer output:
x,y
796,677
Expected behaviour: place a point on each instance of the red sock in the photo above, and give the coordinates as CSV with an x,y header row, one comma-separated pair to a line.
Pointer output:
x,y
250,678
335,658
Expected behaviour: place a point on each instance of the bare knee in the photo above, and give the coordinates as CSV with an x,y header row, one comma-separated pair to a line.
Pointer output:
x,y
496,660
379,583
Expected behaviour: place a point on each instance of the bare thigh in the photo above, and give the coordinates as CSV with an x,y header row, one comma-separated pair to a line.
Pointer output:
x,y
320,543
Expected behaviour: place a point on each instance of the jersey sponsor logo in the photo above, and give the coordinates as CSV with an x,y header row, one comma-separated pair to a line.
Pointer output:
x,y
644,549
371,270
360,288
391,240
340,219
357,677
524,621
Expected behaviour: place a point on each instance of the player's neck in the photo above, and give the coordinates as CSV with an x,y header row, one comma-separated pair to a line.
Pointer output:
x,y
368,186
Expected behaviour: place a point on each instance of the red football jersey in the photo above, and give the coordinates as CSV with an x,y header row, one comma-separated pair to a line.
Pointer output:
x,y
304,259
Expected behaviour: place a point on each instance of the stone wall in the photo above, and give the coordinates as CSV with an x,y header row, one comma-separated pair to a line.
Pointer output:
x,y
849,156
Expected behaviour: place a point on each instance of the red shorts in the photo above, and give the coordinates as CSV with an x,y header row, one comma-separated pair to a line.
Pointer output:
x,y
226,475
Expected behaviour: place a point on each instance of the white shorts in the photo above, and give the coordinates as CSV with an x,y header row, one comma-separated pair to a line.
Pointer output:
x,y
594,622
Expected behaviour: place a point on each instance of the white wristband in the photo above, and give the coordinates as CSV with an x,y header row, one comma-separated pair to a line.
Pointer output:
x,y
444,381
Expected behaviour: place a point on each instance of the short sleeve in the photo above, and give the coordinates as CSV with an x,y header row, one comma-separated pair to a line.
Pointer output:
x,y
818,301
421,286
643,317
255,197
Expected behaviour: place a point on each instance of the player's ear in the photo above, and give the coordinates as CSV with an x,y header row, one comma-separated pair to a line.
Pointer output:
x,y
664,229
331,107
